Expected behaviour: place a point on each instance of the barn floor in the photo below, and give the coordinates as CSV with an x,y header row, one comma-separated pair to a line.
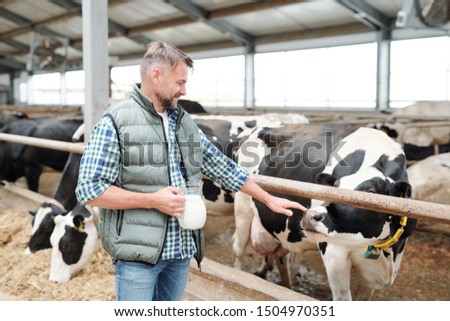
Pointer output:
x,y
423,275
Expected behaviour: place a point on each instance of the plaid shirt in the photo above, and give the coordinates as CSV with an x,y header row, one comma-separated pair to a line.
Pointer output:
x,y
99,170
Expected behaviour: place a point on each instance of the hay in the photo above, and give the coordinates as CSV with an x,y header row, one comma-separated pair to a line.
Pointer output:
x,y
26,277
423,275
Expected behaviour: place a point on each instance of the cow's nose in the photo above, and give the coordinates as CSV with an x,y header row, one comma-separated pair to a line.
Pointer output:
x,y
317,217
310,219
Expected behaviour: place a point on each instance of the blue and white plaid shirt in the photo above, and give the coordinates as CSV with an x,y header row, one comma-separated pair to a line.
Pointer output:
x,y
99,170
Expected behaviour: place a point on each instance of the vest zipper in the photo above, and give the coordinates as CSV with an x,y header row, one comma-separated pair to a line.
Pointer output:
x,y
170,182
182,165
166,140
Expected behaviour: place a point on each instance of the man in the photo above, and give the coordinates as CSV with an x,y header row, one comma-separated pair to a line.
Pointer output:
x,y
140,153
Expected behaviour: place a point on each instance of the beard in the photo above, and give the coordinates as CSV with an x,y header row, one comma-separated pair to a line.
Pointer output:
x,y
167,103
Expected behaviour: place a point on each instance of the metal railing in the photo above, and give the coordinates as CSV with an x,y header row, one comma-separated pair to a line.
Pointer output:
x,y
381,203
376,202
44,143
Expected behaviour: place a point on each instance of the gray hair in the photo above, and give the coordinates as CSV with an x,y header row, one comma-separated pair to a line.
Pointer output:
x,y
163,54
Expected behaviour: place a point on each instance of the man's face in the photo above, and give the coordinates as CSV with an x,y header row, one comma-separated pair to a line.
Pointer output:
x,y
172,85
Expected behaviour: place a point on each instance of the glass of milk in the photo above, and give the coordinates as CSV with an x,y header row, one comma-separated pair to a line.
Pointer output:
x,y
194,216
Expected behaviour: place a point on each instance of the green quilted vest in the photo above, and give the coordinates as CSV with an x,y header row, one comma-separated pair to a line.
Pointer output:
x,y
139,234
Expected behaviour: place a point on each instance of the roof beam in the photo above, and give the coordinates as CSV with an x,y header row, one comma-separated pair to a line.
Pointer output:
x,y
199,14
17,45
313,34
193,48
74,10
214,14
114,27
366,14
27,25
11,16
12,64
250,7
132,33
354,28
160,25
39,24
123,31
69,5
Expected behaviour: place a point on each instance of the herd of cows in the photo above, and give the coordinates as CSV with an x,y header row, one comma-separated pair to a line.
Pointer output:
x,y
288,146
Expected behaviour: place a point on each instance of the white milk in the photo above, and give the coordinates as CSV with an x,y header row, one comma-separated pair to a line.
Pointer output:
x,y
194,216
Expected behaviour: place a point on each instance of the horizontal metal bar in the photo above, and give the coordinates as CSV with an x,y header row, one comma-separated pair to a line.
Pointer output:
x,y
387,204
376,202
44,143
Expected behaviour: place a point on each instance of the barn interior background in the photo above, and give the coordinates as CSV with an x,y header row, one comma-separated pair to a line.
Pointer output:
x,y
383,63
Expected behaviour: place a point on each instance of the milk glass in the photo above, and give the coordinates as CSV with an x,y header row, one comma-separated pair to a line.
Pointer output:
x,y
194,216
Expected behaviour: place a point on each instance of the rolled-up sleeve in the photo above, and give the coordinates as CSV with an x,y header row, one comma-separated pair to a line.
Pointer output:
x,y
218,167
100,162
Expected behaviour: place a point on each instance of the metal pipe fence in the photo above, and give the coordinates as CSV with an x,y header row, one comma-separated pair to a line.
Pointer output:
x,y
376,202
44,143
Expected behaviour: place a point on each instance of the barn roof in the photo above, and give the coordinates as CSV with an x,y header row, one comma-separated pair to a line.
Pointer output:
x,y
50,31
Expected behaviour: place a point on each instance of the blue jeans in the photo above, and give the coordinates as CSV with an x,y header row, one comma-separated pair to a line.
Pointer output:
x,y
138,281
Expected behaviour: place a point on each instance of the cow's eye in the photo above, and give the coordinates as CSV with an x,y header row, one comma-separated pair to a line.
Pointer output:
x,y
371,190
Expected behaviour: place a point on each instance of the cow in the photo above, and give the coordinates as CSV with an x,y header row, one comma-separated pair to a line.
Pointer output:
x,y
73,241
63,200
65,191
17,160
343,156
420,139
225,132
192,107
43,224
430,179
419,135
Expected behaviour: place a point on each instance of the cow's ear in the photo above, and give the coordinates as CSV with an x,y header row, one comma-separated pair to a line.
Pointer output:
x,y
78,222
56,212
325,179
32,213
400,189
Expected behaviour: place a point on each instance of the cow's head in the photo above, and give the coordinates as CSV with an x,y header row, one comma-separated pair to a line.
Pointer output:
x,y
347,225
73,241
43,223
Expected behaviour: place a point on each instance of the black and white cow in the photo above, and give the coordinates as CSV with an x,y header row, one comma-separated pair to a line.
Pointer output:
x,y
420,139
43,224
17,160
224,132
65,191
63,200
192,107
361,159
430,179
73,241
